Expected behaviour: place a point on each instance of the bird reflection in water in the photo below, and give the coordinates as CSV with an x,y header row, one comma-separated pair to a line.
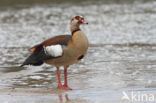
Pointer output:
x,y
61,97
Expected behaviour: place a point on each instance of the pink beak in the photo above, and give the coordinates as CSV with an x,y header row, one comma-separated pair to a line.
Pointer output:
x,y
83,21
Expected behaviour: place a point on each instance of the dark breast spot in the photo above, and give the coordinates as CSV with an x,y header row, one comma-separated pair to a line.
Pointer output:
x,y
80,57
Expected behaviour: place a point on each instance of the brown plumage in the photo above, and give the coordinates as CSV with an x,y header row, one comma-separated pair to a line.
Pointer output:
x,y
71,47
61,39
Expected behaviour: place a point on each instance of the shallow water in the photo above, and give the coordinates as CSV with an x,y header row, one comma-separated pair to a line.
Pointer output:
x,y
121,56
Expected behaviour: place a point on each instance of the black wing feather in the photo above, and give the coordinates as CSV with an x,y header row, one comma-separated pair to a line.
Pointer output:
x,y
37,58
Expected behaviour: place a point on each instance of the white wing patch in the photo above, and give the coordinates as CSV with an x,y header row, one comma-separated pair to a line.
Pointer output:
x,y
54,50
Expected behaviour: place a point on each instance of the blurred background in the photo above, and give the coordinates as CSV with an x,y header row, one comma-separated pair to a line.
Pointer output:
x,y
111,21
121,56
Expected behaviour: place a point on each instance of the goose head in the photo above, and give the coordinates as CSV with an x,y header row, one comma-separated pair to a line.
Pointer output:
x,y
76,22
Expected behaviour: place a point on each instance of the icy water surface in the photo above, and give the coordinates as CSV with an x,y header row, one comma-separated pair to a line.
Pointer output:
x,y
121,57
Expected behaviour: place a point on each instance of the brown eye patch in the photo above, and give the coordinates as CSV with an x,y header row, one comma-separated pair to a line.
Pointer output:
x,y
79,17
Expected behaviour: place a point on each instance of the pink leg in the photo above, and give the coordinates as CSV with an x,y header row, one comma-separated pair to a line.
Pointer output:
x,y
65,86
65,78
59,78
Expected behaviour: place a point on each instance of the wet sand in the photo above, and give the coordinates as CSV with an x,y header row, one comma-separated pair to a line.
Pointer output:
x,y
93,80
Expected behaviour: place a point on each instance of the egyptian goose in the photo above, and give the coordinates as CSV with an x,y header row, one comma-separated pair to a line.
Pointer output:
x,y
62,50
